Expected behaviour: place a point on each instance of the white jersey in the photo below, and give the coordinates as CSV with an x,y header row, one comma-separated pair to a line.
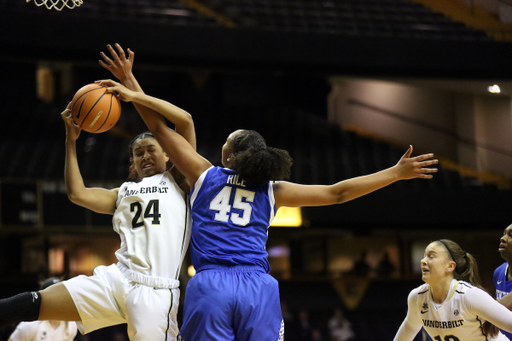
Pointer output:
x,y
152,218
43,331
459,317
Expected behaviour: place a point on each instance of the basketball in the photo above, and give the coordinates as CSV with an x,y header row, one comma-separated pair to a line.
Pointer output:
x,y
94,110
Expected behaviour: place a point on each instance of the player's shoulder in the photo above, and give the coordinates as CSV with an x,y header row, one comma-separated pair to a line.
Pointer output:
x,y
27,329
468,292
218,175
219,170
419,293
463,287
126,184
214,171
172,175
417,297
501,269
31,324
421,290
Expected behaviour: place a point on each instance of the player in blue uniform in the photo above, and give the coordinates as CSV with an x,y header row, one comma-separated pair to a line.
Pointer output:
x,y
502,275
232,296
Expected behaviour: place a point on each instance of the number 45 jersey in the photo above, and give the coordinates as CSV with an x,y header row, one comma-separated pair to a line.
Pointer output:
x,y
230,220
152,218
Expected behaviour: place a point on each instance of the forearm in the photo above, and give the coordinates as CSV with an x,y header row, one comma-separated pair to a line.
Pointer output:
x,y
174,114
482,304
152,118
98,199
350,189
179,117
131,83
506,301
73,178
406,332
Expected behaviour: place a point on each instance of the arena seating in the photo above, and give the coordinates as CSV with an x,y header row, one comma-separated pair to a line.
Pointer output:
x,y
322,153
392,18
386,18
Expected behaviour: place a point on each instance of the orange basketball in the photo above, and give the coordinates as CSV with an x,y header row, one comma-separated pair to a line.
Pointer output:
x,y
94,110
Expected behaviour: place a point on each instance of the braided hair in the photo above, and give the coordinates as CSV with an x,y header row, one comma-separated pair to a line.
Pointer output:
x,y
256,162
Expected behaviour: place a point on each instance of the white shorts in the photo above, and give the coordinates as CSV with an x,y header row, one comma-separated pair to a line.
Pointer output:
x,y
108,298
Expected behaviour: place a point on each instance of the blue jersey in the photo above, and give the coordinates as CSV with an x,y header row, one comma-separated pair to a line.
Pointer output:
x,y
230,220
503,286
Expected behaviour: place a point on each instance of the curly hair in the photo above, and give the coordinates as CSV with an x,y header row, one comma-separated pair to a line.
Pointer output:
x,y
256,162
132,171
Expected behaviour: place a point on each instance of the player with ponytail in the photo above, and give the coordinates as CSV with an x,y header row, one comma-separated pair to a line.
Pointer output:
x,y
452,304
466,268
255,162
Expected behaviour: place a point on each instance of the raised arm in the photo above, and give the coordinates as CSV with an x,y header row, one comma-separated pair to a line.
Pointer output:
x,y
121,67
296,195
180,152
99,200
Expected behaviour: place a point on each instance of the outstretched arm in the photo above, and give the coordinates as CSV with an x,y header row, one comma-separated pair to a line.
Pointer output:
x,y
296,195
482,304
181,153
121,67
507,302
99,200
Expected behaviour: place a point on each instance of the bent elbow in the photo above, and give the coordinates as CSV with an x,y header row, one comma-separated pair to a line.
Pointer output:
x,y
336,196
340,199
189,117
188,121
73,197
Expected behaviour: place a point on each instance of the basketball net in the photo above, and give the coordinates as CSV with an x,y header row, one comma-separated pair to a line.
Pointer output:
x,y
58,4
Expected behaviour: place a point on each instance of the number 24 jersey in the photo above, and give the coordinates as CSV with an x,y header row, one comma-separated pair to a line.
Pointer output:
x,y
152,218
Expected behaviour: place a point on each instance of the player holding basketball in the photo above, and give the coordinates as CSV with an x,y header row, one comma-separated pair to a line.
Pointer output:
x,y
452,305
151,215
45,330
232,296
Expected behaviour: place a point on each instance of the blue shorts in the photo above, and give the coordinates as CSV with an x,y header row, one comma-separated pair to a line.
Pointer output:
x,y
235,303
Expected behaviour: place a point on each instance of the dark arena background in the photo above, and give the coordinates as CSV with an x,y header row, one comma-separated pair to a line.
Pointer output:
x,y
344,85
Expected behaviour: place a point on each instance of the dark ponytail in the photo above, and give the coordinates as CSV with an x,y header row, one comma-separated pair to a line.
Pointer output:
x,y
257,163
466,269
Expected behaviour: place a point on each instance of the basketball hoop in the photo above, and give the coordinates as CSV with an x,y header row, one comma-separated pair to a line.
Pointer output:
x,y
58,4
